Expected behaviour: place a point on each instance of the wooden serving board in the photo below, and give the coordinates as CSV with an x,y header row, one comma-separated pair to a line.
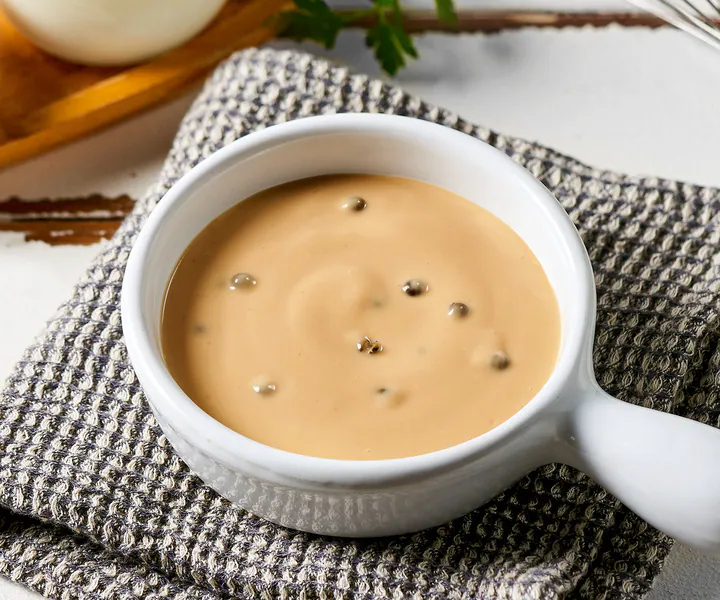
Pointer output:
x,y
45,102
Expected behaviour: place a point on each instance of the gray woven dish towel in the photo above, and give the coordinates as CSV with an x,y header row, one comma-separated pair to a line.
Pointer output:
x,y
95,503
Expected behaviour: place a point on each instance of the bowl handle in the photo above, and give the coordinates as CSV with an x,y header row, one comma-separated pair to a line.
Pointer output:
x,y
663,467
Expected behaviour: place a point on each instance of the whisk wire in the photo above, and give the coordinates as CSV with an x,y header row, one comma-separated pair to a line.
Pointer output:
x,y
696,11
688,16
714,5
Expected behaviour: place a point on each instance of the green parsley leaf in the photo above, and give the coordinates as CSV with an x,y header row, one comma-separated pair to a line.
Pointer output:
x,y
311,20
388,52
388,39
446,11
315,21
405,41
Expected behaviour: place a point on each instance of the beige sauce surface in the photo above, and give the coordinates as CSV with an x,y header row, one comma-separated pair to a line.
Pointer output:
x,y
278,360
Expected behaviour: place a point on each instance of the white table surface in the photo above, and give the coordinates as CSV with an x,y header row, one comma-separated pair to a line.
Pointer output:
x,y
634,100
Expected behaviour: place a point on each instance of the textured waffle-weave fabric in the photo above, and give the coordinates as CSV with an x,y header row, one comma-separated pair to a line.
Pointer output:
x,y
95,502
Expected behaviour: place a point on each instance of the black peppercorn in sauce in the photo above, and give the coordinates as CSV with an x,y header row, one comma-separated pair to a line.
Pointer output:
x,y
359,317
242,281
415,287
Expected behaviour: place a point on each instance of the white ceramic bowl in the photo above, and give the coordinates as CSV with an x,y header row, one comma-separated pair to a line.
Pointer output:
x,y
109,32
663,467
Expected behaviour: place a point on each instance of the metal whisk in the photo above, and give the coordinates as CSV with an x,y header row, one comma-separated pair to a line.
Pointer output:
x,y
697,17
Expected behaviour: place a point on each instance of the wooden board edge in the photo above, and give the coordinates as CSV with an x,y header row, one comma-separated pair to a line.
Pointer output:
x,y
64,231
484,21
65,221
86,207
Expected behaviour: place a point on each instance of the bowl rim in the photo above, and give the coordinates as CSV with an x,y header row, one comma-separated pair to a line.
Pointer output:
x,y
243,454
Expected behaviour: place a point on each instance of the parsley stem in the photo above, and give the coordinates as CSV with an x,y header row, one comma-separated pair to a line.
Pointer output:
x,y
356,15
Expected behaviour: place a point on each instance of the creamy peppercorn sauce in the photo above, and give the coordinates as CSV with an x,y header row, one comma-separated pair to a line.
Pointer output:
x,y
321,317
